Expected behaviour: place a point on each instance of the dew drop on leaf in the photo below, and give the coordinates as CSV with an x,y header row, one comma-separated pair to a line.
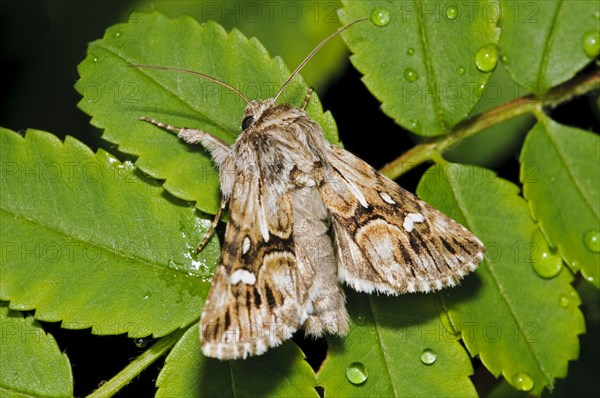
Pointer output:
x,y
574,265
412,124
356,373
479,89
591,239
428,357
547,263
410,51
140,342
486,58
410,75
452,12
380,16
505,60
461,70
563,300
591,43
522,381
118,34
361,319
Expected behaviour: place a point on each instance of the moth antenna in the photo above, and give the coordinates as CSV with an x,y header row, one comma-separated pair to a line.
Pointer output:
x,y
313,52
212,79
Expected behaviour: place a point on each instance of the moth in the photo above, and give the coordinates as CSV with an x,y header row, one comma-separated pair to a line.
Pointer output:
x,y
304,217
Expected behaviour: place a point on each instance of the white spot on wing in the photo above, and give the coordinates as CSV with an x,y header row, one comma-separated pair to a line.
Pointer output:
x,y
245,245
242,275
411,219
387,198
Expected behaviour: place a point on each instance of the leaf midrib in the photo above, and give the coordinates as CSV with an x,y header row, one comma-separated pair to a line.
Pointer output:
x,y
380,345
64,234
432,81
502,294
561,156
547,48
171,93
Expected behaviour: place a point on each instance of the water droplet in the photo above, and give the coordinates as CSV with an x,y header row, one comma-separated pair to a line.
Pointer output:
x,y
356,373
547,263
486,58
522,381
428,357
563,300
590,279
461,70
412,124
410,74
361,319
380,16
118,34
141,342
95,59
410,51
452,12
591,239
480,89
505,60
591,43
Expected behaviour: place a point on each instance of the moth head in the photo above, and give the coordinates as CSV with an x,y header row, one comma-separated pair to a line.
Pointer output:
x,y
254,111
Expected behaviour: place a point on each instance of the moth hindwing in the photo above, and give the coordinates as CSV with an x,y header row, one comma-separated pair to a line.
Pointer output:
x,y
305,215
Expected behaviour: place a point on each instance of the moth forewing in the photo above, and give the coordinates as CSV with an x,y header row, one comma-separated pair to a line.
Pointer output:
x,y
303,216
387,239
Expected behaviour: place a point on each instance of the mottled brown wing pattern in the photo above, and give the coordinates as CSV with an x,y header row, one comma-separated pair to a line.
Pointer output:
x,y
258,299
386,238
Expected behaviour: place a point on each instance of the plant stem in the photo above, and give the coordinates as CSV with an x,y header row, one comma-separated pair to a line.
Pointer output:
x,y
128,373
430,150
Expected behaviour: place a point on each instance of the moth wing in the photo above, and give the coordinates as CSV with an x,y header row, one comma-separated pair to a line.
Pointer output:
x,y
387,239
257,299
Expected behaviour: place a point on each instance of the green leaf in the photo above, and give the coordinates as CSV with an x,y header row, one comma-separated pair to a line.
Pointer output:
x,y
542,40
401,346
87,242
281,372
116,95
288,28
32,364
561,182
521,325
421,65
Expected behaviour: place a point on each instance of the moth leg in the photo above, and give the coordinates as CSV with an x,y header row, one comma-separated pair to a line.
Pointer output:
x,y
307,98
212,228
218,148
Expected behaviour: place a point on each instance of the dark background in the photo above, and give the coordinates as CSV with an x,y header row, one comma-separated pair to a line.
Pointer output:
x,y
41,44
